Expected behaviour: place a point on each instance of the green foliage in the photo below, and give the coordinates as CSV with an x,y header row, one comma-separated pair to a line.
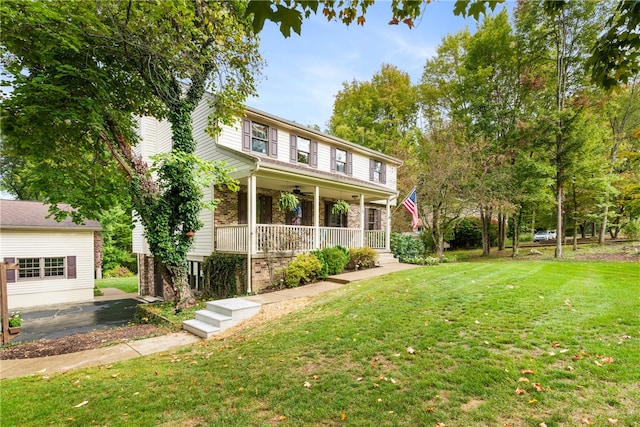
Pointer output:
x,y
468,233
333,260
405,246
287,202
117,271
340,207
428,260
632,229
305,268
362,258
15,319
224,275
125,284
116,225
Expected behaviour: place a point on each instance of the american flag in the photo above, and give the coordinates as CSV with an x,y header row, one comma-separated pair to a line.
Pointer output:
x,y
411,205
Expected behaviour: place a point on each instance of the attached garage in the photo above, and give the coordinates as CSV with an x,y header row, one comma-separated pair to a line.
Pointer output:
x,y
57,260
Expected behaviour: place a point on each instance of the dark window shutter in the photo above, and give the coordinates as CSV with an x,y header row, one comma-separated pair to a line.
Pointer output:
x,y
307,213
273,142
367,220
11,274
246,135
242,208
378,219
71,267
268,210
383,174
372,166
333,159
349,164
314,154
293,149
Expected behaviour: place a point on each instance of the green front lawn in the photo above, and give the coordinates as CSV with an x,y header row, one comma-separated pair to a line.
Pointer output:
x,y
125,284
466,344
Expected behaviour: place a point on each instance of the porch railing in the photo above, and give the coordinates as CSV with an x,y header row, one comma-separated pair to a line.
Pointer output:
x,y
375,239
275,237
232,238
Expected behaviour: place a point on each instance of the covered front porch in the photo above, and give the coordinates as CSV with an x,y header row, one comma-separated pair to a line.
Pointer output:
x,y
295,238
252,224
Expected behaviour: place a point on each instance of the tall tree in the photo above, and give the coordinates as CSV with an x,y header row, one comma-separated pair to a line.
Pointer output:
x,y
379,114
83,71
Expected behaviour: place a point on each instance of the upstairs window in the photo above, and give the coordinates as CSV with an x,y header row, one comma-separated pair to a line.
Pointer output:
x,y
304,150
377,171
259,138
341,161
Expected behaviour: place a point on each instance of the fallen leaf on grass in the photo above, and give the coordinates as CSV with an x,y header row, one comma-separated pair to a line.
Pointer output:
x,y
534,400
612,420
343,416
307,384
520,391
359,379
527,371
431,409
542,425
441,425
586,420
607,359
84,402
538,387
279,418
523,380
315,377
410,350
555,344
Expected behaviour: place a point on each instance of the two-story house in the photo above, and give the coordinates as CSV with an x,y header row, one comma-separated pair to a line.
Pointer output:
x,y
270,155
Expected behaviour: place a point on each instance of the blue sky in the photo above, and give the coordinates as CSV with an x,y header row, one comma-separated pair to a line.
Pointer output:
x,y
304,73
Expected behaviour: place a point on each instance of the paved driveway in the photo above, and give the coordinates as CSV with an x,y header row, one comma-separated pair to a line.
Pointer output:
x,y
68,319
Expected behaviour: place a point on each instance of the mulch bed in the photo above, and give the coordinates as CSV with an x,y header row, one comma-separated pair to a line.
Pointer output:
x,y
79,342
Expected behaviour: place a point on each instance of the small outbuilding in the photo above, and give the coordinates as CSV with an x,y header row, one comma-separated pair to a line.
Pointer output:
x,y
57,260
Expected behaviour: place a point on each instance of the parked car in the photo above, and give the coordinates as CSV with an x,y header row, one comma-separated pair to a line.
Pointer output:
x,y
545,235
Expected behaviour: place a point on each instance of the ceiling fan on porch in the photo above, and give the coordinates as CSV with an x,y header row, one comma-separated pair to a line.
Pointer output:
x,y
298,192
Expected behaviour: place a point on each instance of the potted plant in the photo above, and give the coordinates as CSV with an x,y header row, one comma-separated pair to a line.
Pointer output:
x,y
15,322
287,202
340,207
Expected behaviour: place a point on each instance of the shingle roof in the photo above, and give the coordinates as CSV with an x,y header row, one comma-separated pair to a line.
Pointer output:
x,y
24,214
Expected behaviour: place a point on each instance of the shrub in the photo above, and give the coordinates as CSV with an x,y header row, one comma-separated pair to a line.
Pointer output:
x,y
362,257
117,271
468,234
333,260
429,260
405,246
224,275
305,268
632,229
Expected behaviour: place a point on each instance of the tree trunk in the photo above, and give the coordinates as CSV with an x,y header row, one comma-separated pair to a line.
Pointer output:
x,y
485,216
517,220
502,231
437,234
559,224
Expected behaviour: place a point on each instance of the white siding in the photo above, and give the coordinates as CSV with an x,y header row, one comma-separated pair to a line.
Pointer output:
x,y
37,244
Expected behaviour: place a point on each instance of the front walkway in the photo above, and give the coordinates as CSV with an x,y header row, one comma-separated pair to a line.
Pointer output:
x,y
107,355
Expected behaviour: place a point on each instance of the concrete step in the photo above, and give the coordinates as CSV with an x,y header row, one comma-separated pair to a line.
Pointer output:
x,y
220,315
216,319
386,258
237,308
200,328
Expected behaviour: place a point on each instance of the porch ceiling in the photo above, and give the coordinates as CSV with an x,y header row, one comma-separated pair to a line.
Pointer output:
x,y
328,189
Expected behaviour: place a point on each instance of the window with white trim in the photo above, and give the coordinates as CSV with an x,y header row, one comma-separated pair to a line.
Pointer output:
x,y
41,268
259,138
304,150
341,161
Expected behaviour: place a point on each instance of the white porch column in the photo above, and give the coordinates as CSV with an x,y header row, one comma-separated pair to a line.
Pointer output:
x,y
251,226
362,223
316,217
387,236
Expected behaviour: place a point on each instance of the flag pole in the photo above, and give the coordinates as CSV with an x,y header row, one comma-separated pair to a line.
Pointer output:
x,y
403,200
